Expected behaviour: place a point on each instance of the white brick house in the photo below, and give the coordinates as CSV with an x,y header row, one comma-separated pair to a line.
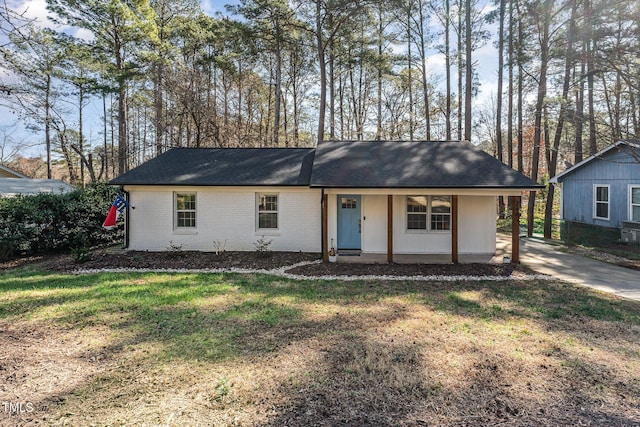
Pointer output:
x,y
366,197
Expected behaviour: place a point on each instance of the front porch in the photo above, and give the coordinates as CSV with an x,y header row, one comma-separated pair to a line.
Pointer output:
x,y
458,226
503,249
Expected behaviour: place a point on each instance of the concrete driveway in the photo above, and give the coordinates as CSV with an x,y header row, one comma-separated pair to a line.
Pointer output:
x,y
546,258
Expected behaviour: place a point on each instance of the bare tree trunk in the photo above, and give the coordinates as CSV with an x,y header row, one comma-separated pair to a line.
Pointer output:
x,y
81,134
423,62
323,71
105,159
468,90
499,149
278,94
520,56
379,100
552,156
579,119
591,47
510,93
409,75
460,70
447,59
540,101
123,140
47,124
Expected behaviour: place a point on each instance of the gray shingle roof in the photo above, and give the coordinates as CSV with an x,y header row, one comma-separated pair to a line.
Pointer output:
x,y
415,164
338,164
224,167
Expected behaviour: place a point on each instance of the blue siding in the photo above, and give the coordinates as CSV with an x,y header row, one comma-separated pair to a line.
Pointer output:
x,y
616,169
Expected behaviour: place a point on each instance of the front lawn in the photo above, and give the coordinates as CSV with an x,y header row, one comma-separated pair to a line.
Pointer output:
x,y
230,349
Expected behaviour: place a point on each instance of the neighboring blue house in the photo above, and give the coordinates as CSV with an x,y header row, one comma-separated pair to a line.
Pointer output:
x,y
600,196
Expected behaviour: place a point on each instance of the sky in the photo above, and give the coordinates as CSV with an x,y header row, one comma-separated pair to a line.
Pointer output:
x,y
486,59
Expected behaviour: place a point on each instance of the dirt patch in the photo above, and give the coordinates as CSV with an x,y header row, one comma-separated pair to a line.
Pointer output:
x,y
40,365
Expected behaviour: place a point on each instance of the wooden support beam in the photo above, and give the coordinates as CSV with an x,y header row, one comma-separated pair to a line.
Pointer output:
x,y
325,228
515,229
454,229
389,228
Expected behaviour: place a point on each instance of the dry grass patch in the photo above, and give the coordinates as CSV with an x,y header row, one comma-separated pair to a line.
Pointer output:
x,y
203,349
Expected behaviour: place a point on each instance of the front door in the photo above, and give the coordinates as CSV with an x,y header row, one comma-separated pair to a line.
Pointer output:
x,y
349,228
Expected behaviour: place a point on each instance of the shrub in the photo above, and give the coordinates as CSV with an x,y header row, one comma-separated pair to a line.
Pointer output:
x,y
54,222
81,254
262,247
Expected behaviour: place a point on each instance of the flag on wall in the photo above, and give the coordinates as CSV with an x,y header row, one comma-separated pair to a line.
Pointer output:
x,y
118,206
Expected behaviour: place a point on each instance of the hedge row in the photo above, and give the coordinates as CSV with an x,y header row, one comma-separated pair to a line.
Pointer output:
x,y
57,222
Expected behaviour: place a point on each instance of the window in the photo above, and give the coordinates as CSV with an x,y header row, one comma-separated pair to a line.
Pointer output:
x,y
441,213
634,203
348,202
601,201
434,211
267,211
417,213
185,216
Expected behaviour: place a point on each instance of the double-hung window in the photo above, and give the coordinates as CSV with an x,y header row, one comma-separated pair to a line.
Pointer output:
x,y
440,212
429,213
267,211
601,202
185,210
634,203
417,212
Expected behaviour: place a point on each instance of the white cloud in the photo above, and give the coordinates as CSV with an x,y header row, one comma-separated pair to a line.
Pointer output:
x,y
211,7
84,34
34,9
436,63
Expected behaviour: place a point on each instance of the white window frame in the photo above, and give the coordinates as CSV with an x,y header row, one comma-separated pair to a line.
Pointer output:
x,y
276,211
176,211
631,204
595,201
407,213
428,215
431,214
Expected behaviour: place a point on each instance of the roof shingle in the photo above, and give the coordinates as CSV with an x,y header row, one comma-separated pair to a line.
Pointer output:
x,y
414,164
337,164
224,167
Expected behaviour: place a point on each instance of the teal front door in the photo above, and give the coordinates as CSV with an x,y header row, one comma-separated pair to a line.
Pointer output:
x,y
349,226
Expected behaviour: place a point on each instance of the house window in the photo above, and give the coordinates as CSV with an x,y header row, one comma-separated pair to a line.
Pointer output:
x,y
432,213
634,201
441,213
601,201
267,211
185,212
348,202
416,213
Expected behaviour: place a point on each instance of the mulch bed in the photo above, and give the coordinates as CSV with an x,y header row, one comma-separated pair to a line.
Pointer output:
x,y
112,258
353,269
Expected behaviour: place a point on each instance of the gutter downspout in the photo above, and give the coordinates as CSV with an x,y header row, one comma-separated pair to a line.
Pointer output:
x,y
322,242
127,197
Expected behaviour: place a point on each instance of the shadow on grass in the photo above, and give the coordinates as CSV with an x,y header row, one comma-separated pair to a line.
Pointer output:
x,y
361,379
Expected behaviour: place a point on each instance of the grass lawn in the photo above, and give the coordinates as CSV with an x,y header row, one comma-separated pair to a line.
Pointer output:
x,y
229,349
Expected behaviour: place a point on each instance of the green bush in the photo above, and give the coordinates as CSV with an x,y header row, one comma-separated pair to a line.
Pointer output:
x,y
56,222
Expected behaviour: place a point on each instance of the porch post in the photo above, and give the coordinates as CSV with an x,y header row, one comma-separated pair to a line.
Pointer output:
x,y
454,229
515,229
389,228
325,227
